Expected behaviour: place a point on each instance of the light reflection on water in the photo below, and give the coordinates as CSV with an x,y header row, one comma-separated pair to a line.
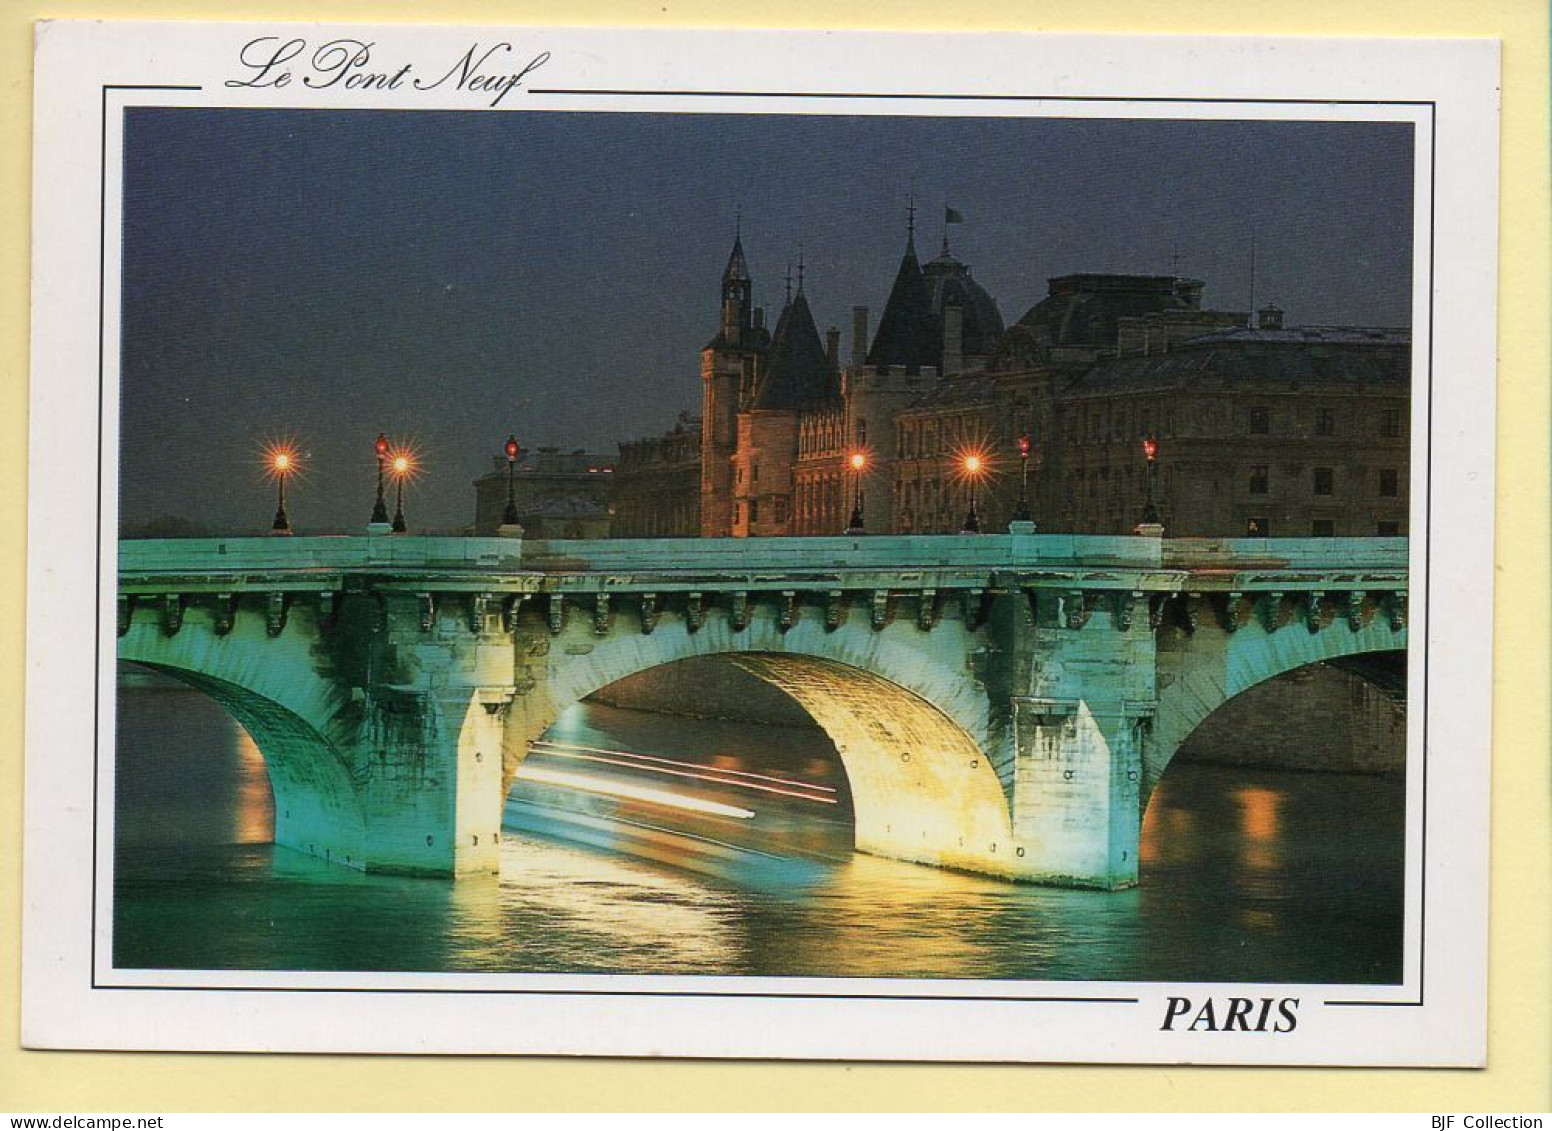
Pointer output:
x,y
1248,876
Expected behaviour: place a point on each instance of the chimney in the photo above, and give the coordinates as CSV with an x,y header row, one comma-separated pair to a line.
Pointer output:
x,y
859,335
953,339
833,347
1269,317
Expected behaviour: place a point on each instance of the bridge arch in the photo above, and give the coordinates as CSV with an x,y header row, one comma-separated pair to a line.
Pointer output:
x,y
912,731
1201,671
293,716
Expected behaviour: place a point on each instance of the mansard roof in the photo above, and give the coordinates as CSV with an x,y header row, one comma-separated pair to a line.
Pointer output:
x,y
909,333
949,283
1083,310
1362,358
798,371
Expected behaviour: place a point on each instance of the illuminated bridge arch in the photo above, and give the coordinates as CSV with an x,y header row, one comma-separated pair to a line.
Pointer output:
x,y
301,723
910,730
1201,670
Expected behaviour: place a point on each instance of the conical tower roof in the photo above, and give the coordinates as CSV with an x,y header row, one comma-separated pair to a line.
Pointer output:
x,y
737,270
798,373
908,333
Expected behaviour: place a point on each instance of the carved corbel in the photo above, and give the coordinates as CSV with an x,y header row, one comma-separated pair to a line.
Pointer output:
x,y
738,613
479,610
509,612
1312,612
126,612
1126,607
694,612
787,614
1232,612
1075,609
972,606
226,613
927,610
649,613
1355,599
835,609
1157,604
1191,611
601,614
328,608
1272,611
172,613
275,605
880,609
557,615
1398,610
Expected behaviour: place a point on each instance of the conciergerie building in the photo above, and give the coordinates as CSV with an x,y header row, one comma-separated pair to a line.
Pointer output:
x,y
1258,428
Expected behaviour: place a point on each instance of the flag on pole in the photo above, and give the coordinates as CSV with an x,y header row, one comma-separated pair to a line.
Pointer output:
x,y
952,215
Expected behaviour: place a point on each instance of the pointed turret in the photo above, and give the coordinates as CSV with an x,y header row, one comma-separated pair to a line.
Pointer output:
x,y
908,333
737,300
798,373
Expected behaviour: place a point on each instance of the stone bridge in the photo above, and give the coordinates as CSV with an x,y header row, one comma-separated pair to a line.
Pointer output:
x,y
1003,704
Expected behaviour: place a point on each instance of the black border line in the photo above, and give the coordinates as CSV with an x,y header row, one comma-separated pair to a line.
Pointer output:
x,y
1433,146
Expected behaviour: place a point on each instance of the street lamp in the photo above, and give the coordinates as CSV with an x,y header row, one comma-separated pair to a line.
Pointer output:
x,y
282,462
1021,512
380,508
973,469
509,516
1150,451
403,468
854,525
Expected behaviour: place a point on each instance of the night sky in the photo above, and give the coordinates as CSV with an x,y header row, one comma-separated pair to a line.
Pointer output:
x,y
450,277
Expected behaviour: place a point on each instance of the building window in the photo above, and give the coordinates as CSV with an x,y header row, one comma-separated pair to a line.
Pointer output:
x,y
1258,477
754,474
1325,481
1260,421
1325,422
862,433
779,508
1390,530
1390,485
754,511
1258,528
1390,423
1323,528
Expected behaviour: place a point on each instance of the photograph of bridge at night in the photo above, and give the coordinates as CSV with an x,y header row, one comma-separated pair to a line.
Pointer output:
x,y
758,545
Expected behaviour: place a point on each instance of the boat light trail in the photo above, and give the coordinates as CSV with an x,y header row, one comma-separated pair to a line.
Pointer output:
x,y
630,761
552,747
632,792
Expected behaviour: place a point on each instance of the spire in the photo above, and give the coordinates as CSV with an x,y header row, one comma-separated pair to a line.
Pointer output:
x,y
737,311
788,301
800,268
908,332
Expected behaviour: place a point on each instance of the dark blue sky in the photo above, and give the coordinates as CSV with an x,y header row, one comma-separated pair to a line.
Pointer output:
x,y
454,277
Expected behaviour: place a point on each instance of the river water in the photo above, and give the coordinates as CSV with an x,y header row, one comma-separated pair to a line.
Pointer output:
x,y
637,843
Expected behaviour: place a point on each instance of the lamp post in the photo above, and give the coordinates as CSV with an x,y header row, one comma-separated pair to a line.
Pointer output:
x,y
402,466
973,467
1021,512
380,508
281,464
1150,451
855,525
509,516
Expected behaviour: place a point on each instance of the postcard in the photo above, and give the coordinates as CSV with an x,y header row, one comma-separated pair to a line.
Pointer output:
x,y
760,544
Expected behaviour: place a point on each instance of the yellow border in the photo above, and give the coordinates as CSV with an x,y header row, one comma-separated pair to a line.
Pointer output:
x,y
1519,1076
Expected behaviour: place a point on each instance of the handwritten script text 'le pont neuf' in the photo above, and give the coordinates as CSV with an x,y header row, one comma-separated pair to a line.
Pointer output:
x,y
347,64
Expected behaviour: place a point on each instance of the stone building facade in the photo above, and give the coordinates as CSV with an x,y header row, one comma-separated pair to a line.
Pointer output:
x,y
1261,429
